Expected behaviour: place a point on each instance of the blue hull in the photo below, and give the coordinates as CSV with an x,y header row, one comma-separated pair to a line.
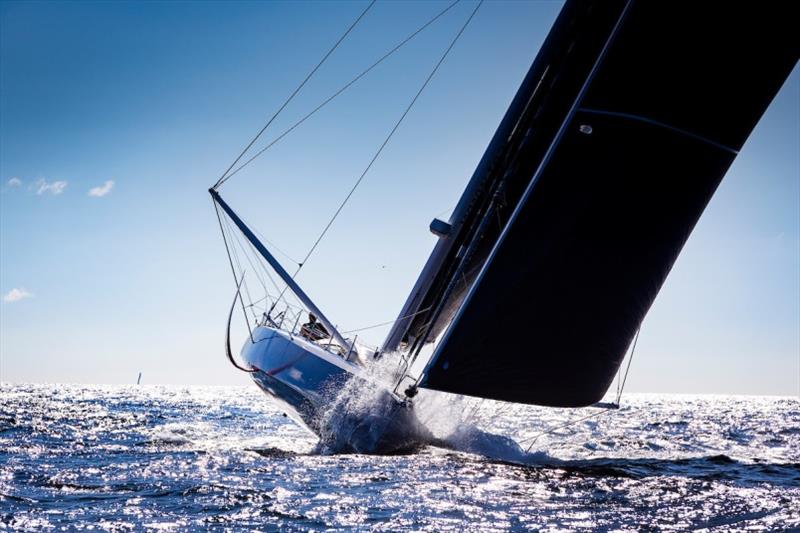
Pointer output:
x,y
306,381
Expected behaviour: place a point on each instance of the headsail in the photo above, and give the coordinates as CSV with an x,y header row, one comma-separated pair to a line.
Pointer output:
x,y
623,128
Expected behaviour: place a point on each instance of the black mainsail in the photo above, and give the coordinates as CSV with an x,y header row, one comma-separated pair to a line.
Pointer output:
x,y
620,133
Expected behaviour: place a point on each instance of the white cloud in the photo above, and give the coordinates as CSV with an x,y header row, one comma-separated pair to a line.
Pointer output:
x,y
15,295
102,190
14,182
53,187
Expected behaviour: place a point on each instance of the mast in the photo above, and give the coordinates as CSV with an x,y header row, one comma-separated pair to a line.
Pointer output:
x,y
295,288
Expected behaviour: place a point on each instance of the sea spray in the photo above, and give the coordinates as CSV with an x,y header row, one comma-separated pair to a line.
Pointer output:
x,y
455,422
363,416
72,457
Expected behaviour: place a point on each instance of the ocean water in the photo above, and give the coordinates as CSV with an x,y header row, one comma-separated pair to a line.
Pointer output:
x,y
128,458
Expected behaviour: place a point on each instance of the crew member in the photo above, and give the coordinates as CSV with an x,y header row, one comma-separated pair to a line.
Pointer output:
x,y
313,330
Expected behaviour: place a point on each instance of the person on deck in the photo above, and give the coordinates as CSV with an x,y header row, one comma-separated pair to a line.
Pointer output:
x,y
313,330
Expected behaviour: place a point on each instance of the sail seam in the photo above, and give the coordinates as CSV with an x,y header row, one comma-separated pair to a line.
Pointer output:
x,y
664,125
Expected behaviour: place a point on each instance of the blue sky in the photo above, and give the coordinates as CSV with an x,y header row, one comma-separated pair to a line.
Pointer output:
x,y
147,103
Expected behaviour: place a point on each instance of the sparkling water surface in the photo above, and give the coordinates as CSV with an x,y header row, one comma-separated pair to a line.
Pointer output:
x,y
131,458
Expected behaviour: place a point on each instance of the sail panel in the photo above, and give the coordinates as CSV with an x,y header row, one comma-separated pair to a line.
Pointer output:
x,y
555,310
710,68
605,215
533,117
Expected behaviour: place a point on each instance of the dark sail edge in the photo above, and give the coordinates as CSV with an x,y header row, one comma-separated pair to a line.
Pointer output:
x,y
546,93
579,264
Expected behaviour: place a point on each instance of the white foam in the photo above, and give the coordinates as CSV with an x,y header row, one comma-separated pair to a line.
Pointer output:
x,y
361,413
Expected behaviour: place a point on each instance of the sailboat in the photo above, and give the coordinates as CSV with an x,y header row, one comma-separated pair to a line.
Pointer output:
x,y
618,136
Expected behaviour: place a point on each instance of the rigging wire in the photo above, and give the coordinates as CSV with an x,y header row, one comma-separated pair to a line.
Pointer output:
x,y
266,271
259,261
340,91
229,174
560,426
272,245
388,322
228,352
233,270
477,405
504,409
222,178
235,238
446,211
302,263
628,367
388,137
255,270
238,263
591,415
